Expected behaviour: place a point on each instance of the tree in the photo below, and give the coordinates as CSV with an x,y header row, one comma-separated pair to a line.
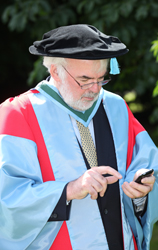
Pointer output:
x,y
154,115
154,49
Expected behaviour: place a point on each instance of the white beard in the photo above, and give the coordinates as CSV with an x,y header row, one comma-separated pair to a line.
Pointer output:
x,y
80,104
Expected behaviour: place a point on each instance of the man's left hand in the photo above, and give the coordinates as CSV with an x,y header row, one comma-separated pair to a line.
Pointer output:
x,y
135,190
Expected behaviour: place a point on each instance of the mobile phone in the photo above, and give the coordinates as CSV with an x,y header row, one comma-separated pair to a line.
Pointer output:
x,y
146,174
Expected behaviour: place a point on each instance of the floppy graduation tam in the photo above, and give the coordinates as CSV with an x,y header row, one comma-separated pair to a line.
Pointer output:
x,y
80,41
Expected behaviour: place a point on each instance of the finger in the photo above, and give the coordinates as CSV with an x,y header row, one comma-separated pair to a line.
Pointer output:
x,y
131,191
149,180
99,177
104,188
93,193
103,181
108,170
95,180
111,179
99,187
144,189
149,187
126,191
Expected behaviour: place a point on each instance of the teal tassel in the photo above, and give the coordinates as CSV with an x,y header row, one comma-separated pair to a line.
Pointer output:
x,y
114,67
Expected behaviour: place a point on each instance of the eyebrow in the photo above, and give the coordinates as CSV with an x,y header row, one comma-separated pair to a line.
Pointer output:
x,y
88,78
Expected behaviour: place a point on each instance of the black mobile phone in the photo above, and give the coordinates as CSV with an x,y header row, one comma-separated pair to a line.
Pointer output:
x,y
146,174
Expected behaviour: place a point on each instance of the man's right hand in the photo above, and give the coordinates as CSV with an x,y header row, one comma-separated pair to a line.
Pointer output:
x,y
92,182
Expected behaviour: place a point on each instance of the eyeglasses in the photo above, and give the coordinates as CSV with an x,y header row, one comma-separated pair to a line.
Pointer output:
x,y
89,85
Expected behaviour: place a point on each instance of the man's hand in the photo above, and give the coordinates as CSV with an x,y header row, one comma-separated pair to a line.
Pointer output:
x,y
135,190
92,182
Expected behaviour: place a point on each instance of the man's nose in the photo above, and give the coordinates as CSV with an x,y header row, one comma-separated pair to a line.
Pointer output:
x,y
95,88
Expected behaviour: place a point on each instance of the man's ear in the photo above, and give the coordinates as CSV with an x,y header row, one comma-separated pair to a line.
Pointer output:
x,y
54,73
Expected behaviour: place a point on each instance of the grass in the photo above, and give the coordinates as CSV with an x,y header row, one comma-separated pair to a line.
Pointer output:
x,y
154,240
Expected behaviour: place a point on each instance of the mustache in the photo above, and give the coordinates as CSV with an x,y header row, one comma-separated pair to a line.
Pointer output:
x,y
90,95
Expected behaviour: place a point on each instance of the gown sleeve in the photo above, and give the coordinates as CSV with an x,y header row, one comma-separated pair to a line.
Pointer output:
x,y
27,201
142,153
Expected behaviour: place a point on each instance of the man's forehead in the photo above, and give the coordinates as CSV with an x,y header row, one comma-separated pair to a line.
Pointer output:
x,y
72,62
86,65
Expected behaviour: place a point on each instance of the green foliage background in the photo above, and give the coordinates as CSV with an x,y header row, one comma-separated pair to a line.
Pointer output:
x,y
135,22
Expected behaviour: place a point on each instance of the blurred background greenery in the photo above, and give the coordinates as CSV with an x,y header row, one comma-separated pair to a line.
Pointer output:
x,y
135,22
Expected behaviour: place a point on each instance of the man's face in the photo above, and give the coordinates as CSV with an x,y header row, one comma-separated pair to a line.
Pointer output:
x,y
84,71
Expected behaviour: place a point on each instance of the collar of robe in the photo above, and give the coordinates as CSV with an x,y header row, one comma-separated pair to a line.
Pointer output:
x,y
53,94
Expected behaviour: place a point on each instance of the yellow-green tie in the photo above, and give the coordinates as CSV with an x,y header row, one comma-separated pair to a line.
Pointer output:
x,y
87,145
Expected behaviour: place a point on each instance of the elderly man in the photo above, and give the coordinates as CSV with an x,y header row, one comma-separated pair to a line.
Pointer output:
x,y
70,153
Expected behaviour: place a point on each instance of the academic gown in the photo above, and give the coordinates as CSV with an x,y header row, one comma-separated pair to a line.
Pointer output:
x,y
39,155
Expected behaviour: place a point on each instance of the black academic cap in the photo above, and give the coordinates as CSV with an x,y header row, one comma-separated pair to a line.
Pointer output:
x,y
79,41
